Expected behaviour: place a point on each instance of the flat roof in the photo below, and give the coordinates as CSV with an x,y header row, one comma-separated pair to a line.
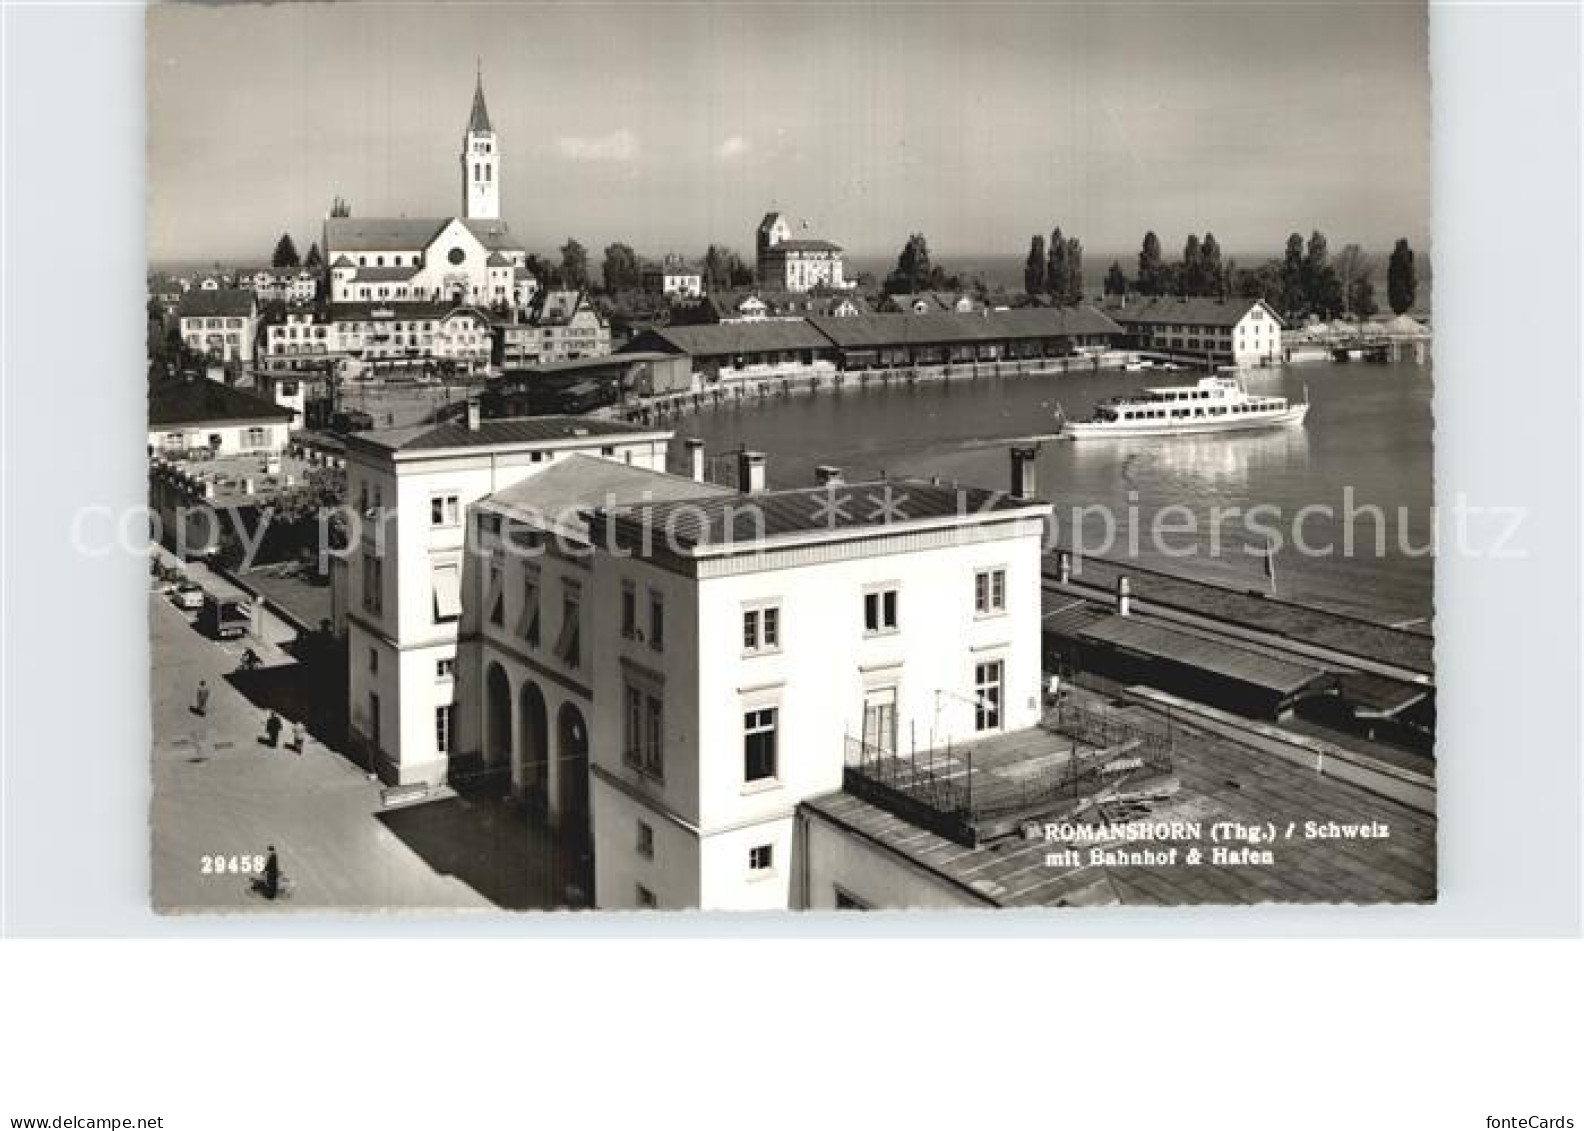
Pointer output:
x,y
1216,780
739,519
500,432
1217,657
1404,648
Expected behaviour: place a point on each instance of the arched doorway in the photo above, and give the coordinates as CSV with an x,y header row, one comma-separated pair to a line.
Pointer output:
x,y
497,716
531,761
574,836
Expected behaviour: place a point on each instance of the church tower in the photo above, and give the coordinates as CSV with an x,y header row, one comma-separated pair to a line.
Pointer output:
x,y
480,163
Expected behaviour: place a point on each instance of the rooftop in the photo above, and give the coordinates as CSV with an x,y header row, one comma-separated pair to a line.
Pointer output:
x,y
233,302
730,338
1403,648
802,245
557,493
1187,311
879,330
1211,780
736,519
1206,653
198,400
523,431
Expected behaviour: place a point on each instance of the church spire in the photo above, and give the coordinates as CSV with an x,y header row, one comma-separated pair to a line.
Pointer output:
x,y
479,123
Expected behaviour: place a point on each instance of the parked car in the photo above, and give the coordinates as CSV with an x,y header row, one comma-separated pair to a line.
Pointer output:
x,y
188,595
224,619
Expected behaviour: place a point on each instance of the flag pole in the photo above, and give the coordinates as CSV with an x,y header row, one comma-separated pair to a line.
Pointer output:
x,y
1270,564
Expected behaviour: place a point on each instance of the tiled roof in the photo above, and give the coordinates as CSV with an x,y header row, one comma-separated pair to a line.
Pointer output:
x,y
375,233
847,508
804,245
492,433
496,259
231,302
493,234
198,400
879,330
1185,311
731,338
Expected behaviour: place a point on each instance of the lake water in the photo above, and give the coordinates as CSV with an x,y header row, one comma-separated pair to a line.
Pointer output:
x,y
1369,430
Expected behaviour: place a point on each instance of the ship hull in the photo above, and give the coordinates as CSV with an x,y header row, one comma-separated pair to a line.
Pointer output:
x,y
1136,430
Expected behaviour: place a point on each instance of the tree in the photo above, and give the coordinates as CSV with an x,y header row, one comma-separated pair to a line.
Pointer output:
x,y
1401,283
1056,265
574,265
1073,287
1361,296
1212,279
742,273
1034,280
1291,278
914,271
1353,267
1190,280
285,258
620,269
541,269
717,268
314,261
1149,265
1116,282
1322,289
340,208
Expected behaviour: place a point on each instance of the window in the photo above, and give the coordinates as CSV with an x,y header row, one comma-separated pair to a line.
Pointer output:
x,y
644,731
373,662
880,611
373,583
990,591
762,629
447,594
656,620
443,510
374,719
759,744
569,644
445,669
761,858
443,728
646,898
629,610
497,594
645,840
253,438
987,694
528,626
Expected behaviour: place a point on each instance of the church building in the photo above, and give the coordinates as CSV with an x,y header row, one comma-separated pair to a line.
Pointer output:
x,y
472,258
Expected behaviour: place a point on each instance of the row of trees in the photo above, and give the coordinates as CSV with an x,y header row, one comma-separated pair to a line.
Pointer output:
x,y
1055,269
1306,280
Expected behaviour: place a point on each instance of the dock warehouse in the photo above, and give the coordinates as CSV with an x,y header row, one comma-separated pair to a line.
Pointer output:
x,y
795,347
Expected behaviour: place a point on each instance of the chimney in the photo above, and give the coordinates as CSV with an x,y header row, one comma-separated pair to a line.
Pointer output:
x,y
473,414
1023,471
1063,567
750,472
827,476
695,451
1124,597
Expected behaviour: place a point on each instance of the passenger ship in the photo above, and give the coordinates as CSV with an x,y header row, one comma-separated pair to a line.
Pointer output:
x,y
1215,404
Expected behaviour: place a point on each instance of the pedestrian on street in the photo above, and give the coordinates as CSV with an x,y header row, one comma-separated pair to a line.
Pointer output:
x,y
271,874
299,736
272,728
201,704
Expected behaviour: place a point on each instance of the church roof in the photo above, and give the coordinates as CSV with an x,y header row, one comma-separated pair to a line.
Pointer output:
x,y
496,259
493,234
381,233
479,122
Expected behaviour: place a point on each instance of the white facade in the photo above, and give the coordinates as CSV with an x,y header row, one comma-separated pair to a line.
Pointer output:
x,y
378,335
221,437
480,163
788,264
448,262
409,567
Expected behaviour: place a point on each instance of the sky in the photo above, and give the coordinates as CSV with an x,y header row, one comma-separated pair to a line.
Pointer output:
x,y
669,126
